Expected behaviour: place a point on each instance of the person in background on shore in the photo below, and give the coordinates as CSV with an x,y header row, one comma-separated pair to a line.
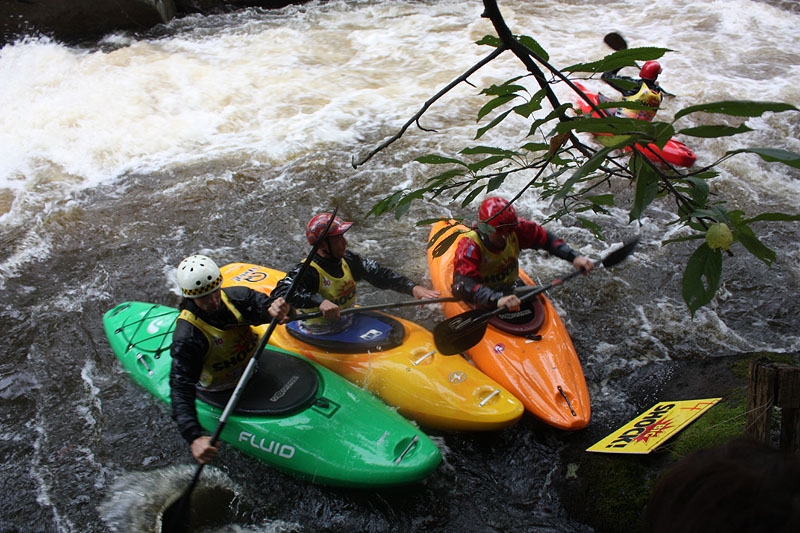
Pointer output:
x,y
486,262
212,343
330,284
644,90
742,486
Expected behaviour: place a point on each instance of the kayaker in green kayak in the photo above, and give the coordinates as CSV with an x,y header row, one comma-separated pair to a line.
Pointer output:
x,y
330,285
486,263
207,352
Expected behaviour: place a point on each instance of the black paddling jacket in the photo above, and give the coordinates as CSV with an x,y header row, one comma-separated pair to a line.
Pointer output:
x,y
190,346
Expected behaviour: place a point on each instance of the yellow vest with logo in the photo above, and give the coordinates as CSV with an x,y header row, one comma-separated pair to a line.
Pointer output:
x,y
341,291
645,96
229,350
501,268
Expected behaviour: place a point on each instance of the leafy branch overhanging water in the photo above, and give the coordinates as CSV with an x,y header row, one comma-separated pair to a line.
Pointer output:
x,y
574,175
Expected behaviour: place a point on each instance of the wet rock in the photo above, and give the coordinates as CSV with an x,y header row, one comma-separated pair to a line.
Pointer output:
x,y
81,20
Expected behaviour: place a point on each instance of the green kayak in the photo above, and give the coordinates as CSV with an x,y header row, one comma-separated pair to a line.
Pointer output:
x,y
294,415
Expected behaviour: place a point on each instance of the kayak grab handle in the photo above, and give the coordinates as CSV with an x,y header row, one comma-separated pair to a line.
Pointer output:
x,y
567,400
489,397
408,449
141,359
421,359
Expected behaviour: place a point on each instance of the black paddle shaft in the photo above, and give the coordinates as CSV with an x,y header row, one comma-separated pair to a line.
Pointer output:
x,y
429,301
465,330
176,516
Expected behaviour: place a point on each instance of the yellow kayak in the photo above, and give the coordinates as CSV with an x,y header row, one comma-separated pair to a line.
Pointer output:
x,y
541,367
396,360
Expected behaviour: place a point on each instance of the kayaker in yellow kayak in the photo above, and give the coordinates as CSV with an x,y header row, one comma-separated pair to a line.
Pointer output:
x,y
330,285
207,352
486,263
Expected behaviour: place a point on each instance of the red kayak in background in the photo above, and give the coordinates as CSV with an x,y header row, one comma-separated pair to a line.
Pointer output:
x,y
674,152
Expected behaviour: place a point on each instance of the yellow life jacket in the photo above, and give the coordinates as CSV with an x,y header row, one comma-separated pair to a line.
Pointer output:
x,y
229,350
645,96
341,291
501,268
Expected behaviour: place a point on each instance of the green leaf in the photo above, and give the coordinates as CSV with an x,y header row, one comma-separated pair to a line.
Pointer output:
x,y
493,150
386,204
698,190
773,217
442,246
505,89
595,228
587,168
483,163
494,103
645,189
647,131
489,40
617,60
536,147
443,178
495,182
528,108
701,277
555,113
402,208
439,160
616,141
531,44
492,124
746,236
471,196
771,155
601,199
710,132
737,108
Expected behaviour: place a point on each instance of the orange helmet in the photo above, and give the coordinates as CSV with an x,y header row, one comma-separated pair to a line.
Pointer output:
x,y
316,226
650,70
497,212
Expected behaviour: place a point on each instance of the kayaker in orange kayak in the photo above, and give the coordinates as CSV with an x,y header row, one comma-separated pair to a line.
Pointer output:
x,y
486,263
330,285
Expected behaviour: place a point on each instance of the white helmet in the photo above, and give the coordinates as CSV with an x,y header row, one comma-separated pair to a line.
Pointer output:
x,y
198,276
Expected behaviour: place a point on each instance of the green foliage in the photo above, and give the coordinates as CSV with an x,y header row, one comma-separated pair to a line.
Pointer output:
x,y
560,166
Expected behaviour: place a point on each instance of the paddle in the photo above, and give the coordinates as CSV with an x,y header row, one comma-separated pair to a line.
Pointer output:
x,y
317,314
464,331
176,517
615,41
618,43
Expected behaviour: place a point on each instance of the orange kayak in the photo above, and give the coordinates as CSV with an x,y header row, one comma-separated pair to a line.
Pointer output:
x,y
404,369
542,369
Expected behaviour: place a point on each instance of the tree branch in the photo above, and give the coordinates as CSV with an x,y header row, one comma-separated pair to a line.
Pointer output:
x,y
488,59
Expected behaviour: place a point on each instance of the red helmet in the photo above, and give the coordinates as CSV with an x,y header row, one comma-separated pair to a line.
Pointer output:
x,y
650,70
316,226
497,212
